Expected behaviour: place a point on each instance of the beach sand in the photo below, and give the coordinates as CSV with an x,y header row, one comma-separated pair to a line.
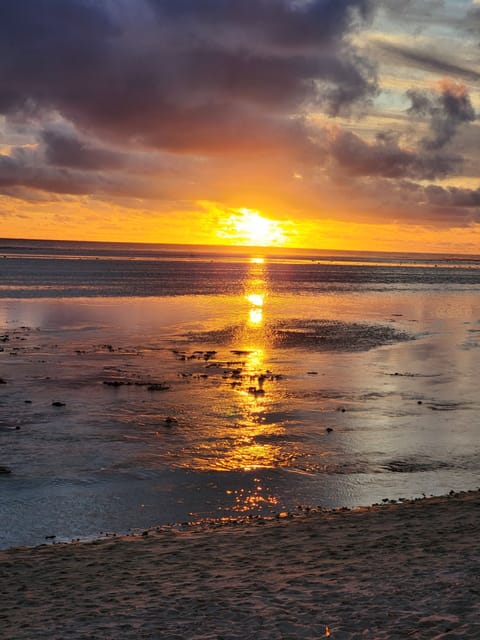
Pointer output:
x,y
409,570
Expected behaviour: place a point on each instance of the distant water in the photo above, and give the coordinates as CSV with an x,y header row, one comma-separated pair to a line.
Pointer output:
x,y
202,383
75,269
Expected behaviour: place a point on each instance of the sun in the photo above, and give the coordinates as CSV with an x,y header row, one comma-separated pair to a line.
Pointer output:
x,y
257,230
248,227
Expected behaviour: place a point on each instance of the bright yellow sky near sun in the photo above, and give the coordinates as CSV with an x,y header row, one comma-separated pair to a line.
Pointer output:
x,y
214,224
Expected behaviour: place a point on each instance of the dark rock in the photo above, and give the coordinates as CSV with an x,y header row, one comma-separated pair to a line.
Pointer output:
x,y
329,429
2,381
58,404
114,383
4,471
158,387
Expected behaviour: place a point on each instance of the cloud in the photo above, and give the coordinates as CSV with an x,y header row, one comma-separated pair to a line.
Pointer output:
x,y
472,20
282,22
426,60
22,169
177,74
444,109
67,150
155,101
418,15
386,158
447,109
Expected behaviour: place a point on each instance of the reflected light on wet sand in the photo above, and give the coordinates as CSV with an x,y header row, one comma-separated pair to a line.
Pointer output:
x,y
251,499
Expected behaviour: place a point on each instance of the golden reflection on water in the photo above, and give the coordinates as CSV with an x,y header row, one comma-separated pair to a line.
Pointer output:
x,y
255,316
256,290
251,499
249,438
250,448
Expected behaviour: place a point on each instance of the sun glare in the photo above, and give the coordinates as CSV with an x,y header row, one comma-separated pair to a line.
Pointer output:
x,y
248,227
257,230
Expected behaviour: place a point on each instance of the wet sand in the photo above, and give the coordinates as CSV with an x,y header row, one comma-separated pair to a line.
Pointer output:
x,y
409,570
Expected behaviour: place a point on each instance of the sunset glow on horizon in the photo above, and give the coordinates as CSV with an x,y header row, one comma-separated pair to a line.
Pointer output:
x,y
349,125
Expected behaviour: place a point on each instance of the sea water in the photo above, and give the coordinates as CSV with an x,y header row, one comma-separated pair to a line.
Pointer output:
x,y
150,385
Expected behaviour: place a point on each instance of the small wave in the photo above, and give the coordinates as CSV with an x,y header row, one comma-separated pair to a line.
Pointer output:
x,y
414,466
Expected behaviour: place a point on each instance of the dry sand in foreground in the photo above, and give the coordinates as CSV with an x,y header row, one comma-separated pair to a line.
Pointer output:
x,y
400,571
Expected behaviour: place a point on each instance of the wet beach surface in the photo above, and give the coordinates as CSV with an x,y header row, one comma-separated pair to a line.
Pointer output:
x,y
123,413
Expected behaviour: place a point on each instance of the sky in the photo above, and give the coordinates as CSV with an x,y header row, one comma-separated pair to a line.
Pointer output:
x,y
329,124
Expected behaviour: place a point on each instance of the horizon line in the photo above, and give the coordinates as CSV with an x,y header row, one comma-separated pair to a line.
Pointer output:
x,y
241,248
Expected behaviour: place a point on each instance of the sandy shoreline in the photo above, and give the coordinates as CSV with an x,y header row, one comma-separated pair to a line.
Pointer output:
x,y
409,570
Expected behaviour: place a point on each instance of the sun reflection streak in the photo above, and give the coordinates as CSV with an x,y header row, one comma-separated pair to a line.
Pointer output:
x,y
253,448
255,291
249,436
255,316
257,299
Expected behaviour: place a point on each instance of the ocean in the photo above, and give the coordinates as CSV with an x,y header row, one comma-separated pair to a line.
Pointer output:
x,y
156,385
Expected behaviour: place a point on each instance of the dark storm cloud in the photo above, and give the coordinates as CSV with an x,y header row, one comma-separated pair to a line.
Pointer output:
x,y
430,157
408,202
26,169
285,22
453,197
186,71
386,158
358,157
16,172
425,60
48,46
67,150
446,110
64,163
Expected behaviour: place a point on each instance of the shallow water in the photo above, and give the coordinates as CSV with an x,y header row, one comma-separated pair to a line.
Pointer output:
x,y
280,390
